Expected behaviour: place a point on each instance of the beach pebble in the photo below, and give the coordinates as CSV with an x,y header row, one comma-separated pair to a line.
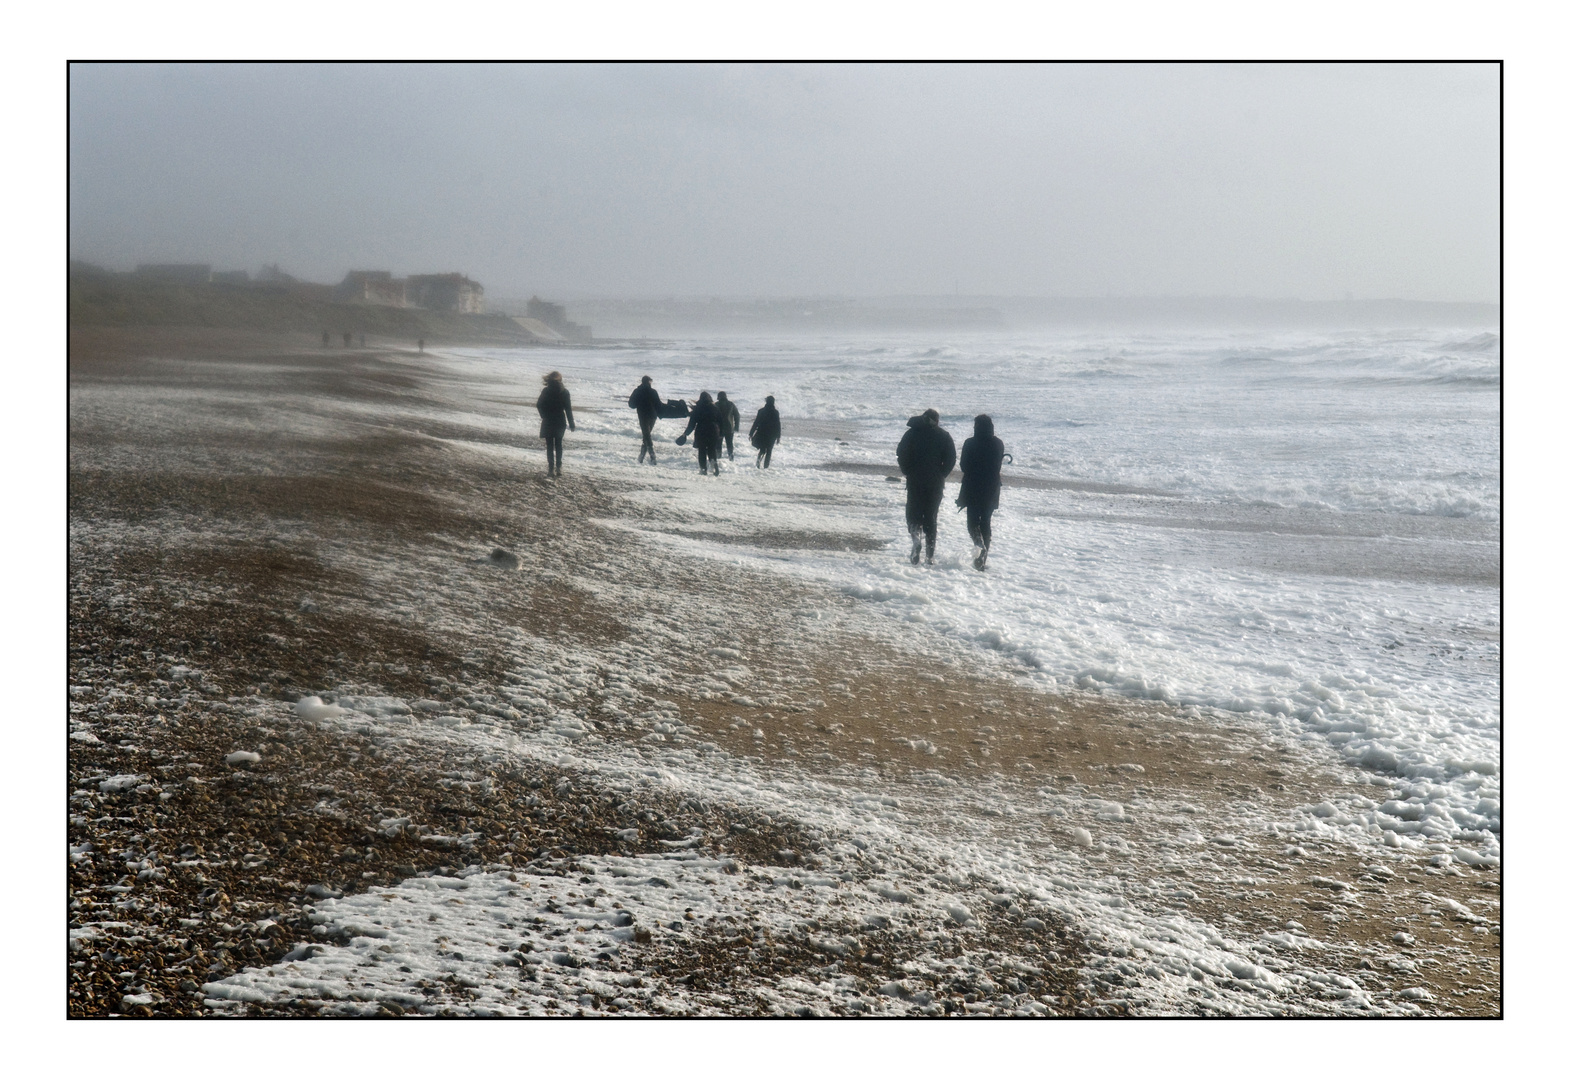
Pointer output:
x,y
116,784
503,558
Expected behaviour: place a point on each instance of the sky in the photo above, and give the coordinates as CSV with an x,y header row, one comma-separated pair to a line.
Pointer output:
x,y
1279,181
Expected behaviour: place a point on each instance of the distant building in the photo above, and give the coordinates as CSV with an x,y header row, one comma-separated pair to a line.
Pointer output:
x,y
377,287
446,292
188,273
271,275
434,292
231,277
555,317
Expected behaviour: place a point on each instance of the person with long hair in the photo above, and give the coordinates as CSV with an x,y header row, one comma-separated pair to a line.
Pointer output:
x,y
555,406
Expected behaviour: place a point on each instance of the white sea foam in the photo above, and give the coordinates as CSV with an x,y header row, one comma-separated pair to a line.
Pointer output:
x,y
1299,528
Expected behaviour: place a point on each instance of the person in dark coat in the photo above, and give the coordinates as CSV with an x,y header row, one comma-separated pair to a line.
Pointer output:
x,y
647,401
981,462
765,431
730,420
926,457
555,405
704,425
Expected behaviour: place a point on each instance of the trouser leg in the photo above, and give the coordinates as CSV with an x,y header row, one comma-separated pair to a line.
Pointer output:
x,y
730,447
929,519
979,522
915,519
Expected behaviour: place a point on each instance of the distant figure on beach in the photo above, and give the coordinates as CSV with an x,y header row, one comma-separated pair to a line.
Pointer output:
x,y
981,463
327,340
704,425
422,344
926,457
730,420
555,407
347,338
646,400
765,431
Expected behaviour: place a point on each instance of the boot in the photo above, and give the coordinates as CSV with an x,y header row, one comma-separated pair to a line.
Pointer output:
x,y
915,547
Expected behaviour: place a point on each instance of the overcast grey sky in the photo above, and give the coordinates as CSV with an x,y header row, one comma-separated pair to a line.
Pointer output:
x,y
1065,180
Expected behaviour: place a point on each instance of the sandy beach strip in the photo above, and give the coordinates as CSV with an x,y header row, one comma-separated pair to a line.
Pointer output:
x,y
248,527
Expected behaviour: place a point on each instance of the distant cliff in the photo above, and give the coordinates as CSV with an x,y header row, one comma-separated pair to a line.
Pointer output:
x,y
107,299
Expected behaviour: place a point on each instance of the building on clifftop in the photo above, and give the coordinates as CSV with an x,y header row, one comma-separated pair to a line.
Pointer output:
x,y
446,292
377,287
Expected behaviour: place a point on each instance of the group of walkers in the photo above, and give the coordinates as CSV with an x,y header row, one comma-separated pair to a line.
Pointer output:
x,y
926,456
710,423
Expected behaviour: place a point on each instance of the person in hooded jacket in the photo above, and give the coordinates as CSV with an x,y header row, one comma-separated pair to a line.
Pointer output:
x,y
704,425
555,406
730,420
765,431
981,463
926,457
646,400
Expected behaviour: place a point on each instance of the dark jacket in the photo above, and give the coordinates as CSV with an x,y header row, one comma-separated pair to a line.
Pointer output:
x,y
981,461
765,429
926,454
730,416
704,424
646,400
555,407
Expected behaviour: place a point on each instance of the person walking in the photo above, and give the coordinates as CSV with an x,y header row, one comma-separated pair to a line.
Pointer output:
x,y
555,405
730,420
646,400
765,431
704,425
981,482
926,457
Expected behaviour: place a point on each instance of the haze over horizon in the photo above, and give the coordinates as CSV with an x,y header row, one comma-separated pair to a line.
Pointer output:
x,y
1275,181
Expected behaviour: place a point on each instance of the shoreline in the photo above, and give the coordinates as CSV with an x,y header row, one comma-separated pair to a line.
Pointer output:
x,y
351,520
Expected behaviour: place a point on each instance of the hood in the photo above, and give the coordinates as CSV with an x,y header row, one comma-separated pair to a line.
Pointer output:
x,y
916,421
984,426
